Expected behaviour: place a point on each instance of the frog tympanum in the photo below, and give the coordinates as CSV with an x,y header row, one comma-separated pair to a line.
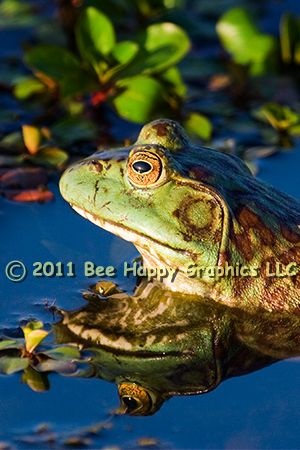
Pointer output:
x,y
157,344
197,210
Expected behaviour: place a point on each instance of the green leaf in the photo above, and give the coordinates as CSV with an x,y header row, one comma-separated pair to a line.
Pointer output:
x,y
241,38
11,365
199,125
288,36
72,129
297,53
28,87
95,36
123,53
61,66
37,381
59,366
166,44
64,353
34,335
32,138
280,117
140,96
50,157
10,344
173,81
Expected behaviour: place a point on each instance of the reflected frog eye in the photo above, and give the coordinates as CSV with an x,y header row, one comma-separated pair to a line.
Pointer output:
x,y
144,168
135,399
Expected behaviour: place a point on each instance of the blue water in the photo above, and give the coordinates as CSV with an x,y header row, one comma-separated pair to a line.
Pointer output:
x,y
259,410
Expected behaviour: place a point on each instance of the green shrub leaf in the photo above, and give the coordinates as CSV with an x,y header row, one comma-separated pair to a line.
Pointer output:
x,y
139,98
241,38
62,67
95,36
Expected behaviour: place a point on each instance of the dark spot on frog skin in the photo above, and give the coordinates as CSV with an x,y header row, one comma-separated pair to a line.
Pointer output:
x,y
242,243
95,165
248,219
187,238
291,255
122,158
96,190
289,234
108,167
217,236
201,173
224,257
242,284
122,172
161,129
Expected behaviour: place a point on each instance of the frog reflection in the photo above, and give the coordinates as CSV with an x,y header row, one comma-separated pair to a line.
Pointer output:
x,y
153,345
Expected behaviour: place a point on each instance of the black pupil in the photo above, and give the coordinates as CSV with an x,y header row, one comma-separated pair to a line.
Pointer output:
x,y
141,166
130,402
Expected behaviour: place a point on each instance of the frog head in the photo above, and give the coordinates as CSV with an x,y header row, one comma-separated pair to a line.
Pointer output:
x,y
184,206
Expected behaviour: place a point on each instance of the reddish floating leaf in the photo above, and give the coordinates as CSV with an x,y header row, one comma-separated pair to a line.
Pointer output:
x,y
29,195
24,178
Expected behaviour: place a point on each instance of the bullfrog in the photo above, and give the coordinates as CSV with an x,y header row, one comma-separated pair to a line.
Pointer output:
x,y
199,212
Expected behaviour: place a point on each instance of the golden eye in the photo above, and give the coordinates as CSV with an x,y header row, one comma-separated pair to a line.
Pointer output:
x,y
144,168
135,399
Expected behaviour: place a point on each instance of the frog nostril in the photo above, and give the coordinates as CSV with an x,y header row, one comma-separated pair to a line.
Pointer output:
x,y
96,165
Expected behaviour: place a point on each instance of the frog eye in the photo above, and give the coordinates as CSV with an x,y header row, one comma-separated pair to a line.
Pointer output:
x,y
135,399
144,168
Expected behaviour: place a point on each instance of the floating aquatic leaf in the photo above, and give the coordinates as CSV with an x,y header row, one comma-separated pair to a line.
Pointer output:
x,y
37,381
50,157
34,335
32,138
55,365
139,98
36,195
10,344
198,125
10,365
148,442
11,161
77,442
63,353
24,177
280,117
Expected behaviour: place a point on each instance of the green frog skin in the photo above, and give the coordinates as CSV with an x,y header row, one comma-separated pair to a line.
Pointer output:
x,y
185,206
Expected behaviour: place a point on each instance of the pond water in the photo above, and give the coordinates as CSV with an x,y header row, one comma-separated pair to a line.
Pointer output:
x,y
260,410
